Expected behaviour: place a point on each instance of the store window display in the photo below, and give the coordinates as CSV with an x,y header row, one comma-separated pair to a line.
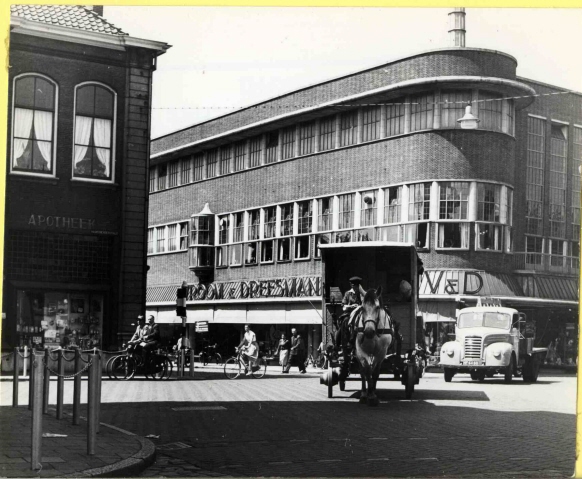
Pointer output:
x,y
56,319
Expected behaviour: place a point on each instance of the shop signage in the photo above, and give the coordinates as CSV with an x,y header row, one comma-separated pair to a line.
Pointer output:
x,y
309,286
451,282
201,326
42,221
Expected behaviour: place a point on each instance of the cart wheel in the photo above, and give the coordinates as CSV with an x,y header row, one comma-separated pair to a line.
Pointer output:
x,y
329,389
509,370
410,381
448,375
342,385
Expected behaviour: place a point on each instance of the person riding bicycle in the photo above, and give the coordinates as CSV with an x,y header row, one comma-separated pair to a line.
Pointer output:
x,y
151,340
138,336
352,302
250,350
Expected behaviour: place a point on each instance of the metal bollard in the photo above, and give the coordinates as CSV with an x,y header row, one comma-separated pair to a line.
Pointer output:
x,y
77,388
182,361
191,362
93,404
99,378
46,382
60,383
30,380
15,378
37,371
25,361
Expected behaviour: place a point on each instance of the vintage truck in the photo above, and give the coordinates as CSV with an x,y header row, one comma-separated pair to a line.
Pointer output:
x,y
492,340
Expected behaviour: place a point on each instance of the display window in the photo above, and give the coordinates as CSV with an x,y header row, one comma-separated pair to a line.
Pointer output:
x,y
59,318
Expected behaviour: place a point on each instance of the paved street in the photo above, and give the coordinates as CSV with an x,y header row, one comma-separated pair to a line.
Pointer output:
x,y
286,426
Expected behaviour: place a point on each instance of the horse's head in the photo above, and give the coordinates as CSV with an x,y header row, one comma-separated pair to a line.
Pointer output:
x,y
371,308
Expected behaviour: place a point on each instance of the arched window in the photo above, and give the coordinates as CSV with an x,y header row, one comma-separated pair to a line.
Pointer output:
x,y
94,123
33,125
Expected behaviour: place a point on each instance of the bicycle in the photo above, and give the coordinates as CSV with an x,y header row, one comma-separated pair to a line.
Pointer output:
x,y
209,353
235,366
126,366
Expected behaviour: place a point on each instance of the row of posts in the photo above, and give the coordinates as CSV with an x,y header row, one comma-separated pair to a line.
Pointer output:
x,y
38,394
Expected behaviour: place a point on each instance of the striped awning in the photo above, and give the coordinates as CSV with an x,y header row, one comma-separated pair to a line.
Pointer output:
x,y
549,287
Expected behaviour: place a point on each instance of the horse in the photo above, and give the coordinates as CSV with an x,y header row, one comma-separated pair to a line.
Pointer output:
x,y
374,336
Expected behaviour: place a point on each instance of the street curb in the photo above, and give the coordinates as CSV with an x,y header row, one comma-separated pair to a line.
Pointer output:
x,y
129,467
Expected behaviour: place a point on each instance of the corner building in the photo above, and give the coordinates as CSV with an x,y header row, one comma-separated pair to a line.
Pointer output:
x,y
79,92
374,155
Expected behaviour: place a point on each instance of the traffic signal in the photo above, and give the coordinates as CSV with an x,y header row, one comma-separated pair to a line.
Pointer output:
x,y
181,294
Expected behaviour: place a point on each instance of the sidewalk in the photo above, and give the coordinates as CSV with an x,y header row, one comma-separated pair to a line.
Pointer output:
x,y
117,453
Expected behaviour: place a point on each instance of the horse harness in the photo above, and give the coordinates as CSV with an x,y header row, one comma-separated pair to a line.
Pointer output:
x,y
388,330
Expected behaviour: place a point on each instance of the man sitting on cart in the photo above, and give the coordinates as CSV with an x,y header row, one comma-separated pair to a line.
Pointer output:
x,y
352,304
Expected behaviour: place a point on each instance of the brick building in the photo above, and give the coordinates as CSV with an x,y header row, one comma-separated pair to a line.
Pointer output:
x,y
374,155
76,168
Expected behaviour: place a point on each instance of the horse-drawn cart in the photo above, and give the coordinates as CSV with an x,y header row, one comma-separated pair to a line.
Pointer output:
x,y
388,315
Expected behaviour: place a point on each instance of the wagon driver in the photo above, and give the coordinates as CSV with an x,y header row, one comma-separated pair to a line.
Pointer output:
x,y
351,304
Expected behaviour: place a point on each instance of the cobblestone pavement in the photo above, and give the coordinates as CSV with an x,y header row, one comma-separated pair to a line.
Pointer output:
x,y
286,426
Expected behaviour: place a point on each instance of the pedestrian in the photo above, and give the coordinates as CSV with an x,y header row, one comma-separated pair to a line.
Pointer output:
x,y
283,350
297,352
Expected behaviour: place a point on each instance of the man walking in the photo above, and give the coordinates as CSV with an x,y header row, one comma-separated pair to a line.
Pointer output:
x,y
297,352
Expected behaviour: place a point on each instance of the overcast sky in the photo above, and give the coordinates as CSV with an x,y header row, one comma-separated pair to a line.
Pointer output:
x,y
224,58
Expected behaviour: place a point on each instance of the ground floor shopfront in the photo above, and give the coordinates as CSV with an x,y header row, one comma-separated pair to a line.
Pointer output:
x,y
275,306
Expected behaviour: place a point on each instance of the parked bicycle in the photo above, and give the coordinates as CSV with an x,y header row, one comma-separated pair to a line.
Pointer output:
x,y
209,354
125,366
238,365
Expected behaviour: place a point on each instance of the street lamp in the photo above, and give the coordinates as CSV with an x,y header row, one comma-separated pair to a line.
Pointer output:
x,y
469,121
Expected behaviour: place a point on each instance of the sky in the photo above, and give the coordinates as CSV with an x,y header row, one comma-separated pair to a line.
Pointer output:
x,y
225,58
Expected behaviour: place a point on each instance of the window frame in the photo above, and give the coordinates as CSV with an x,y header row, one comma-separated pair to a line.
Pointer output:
x,y
54,137
113,136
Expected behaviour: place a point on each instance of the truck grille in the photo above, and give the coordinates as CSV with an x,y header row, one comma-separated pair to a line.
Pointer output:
x,y
473,347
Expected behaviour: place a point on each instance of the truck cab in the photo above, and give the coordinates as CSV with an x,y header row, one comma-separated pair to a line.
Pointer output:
x,y
491,340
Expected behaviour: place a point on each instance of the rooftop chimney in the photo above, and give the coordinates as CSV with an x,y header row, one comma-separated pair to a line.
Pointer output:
x,y
98,9
457,27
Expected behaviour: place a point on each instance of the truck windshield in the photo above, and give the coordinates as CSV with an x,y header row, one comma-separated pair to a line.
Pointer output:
x,y
485,319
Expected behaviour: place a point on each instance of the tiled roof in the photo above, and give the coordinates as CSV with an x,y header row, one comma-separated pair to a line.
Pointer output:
x,y
70,16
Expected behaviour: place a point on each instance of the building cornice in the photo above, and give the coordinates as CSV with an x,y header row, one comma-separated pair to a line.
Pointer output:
x,y
525,91
113,42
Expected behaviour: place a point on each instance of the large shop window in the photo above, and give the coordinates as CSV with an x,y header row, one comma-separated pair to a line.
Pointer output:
x,y
327,133
392,200
419,201
454,200
325,214
346,211
59,318
33,131
453,235
395,116
94,122
453,105
488,237
421,112
368,208
287,219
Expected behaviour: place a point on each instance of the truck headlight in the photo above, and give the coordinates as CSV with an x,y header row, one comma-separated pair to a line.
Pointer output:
x,y
450,352
496,353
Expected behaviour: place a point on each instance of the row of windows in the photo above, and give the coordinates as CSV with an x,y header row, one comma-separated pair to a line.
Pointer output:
x,y
558,169
403,115
35,109
397,213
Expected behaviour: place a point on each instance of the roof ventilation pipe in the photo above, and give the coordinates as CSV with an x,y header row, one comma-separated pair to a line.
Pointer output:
x,y
457,27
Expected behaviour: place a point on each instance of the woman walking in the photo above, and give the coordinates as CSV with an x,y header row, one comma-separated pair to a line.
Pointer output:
x,y
283,350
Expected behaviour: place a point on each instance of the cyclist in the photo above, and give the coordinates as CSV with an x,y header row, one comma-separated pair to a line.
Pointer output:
x,y
250,349
151,340
140,332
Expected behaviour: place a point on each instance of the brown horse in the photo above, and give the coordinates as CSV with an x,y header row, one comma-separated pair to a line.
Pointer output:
x,y
374,336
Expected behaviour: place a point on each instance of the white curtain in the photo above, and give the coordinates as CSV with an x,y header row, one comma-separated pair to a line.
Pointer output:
x,y
22,127
82,135
102,138
43,129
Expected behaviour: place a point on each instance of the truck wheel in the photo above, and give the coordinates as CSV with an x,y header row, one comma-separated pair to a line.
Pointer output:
x,y
474,375
449,373
509,370
410,381
531,370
